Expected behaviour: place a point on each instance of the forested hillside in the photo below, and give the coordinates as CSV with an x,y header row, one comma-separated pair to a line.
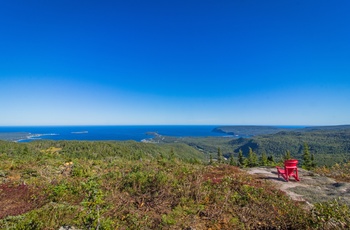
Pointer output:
x,y
249,130
100,150
328,146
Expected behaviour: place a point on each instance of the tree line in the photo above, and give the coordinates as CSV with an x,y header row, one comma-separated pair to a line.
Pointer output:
x,y
254,160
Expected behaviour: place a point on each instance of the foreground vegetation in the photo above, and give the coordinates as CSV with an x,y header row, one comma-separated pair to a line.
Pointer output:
x,y
340,172
129,185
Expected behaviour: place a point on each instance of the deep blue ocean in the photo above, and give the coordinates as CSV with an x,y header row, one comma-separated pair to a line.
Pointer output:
x,y
99,133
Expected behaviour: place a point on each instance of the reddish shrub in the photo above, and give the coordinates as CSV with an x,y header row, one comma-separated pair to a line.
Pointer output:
x,y
18,199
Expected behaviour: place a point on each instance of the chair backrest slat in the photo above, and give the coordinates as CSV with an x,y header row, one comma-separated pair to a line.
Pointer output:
x,y
290,166
291,163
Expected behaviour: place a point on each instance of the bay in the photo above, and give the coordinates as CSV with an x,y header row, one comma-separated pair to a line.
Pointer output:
x,y
100,133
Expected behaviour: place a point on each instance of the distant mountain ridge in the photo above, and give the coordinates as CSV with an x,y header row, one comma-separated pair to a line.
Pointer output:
x,y
255,130
328,127
250,130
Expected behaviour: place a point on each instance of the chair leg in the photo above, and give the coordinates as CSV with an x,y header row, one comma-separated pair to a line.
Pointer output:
x,y
297,176
285,177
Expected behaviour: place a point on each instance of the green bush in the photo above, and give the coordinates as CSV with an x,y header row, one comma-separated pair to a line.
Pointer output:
x,y
81,170
92,203
331,215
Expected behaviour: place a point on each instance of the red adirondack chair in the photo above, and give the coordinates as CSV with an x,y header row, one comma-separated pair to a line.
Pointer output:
x,y
290,169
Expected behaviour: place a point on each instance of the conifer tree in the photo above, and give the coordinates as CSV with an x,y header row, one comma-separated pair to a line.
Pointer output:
x,y
263,159
172,154
287,156
241,160
271,160
307,164
232,160
219,156
313,164
252,158
210,159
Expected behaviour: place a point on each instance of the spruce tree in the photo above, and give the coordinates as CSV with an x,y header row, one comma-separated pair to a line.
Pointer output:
x,y
232,160
252,158
241,160
220,160
287,156
307,164
270,160
263,159
172,154
210,159
313,164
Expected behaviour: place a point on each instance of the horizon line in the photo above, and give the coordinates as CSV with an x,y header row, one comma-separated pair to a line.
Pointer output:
x,y
75,125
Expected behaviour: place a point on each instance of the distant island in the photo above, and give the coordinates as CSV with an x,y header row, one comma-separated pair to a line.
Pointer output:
x,y
80,132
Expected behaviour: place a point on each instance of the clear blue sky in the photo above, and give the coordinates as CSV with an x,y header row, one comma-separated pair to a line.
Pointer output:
x,y
268,62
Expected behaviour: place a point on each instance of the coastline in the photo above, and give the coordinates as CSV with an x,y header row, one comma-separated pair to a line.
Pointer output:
x,y
14,136
23,137
149,134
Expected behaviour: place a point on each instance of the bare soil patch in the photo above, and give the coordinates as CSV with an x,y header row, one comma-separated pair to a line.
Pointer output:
x,y
311,188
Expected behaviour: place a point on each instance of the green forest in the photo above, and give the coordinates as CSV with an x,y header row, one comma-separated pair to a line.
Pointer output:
x,y
328,144
131,185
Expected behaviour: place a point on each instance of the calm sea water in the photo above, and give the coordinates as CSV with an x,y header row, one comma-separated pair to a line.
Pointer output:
x,y
93,133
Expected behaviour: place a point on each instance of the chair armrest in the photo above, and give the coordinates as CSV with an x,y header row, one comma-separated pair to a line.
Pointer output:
x,y
280,170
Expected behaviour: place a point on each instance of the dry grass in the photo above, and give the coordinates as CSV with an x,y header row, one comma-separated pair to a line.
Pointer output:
x,y
339,172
